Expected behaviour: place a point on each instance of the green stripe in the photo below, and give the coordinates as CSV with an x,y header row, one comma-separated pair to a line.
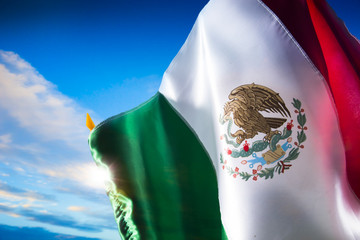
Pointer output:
x,y
165,184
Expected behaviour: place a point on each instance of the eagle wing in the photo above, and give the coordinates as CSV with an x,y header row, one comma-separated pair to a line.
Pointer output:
x,y
260,98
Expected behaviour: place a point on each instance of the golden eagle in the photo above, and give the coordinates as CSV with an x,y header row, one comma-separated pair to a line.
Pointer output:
x,y
245,104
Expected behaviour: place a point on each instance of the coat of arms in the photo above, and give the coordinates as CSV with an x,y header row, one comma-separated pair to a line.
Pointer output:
x,y
274,153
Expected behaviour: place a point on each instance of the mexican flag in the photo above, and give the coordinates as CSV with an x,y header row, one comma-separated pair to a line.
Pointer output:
x,y
253,134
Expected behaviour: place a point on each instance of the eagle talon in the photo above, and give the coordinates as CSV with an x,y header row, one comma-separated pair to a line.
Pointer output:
x,y
239,140
246,103
271,134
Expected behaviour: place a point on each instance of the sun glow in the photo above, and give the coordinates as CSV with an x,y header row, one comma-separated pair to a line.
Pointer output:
x,y
97,177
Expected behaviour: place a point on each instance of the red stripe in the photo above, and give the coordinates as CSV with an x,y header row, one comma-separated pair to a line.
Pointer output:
x,y
295,16
345,85
336,53
350,45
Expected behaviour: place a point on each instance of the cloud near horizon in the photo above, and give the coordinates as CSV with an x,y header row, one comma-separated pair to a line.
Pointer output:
x,y
58,219
35,233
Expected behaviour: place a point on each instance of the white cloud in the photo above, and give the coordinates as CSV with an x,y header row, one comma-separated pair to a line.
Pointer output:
x,y
85,174
19,169
17,195
37,105
14,59
5,140
32,148
77,208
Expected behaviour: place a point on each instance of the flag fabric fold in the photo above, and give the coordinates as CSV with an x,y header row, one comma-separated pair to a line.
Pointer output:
x,y
330,46
164,186
252,134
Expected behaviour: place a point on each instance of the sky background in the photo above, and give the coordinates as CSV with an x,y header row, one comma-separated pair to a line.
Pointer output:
x,y
60,59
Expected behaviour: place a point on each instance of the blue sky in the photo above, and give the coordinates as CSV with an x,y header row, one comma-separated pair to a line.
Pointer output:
x,y
58,60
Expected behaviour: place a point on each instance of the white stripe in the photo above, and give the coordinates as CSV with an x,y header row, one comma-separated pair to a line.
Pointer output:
x,y
237,42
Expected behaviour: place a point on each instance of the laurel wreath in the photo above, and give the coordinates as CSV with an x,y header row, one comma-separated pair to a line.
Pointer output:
x,y
257,146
